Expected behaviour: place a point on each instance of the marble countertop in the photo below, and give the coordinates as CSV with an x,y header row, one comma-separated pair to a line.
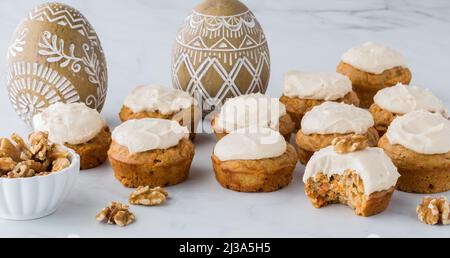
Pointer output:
x,y
137,37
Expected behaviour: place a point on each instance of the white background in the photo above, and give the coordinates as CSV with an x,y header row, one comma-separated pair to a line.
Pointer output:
x,y
137,37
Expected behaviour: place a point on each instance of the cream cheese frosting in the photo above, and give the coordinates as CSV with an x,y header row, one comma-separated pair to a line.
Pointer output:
x,y
339,118
250,110
373,166
421,131
250,144
73,123
316,85
402,99
373,58
147,134
157,98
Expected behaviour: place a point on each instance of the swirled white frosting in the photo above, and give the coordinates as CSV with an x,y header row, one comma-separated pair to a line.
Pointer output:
x,y
321,86
157,98
332,117
373,58
149,134
250,110
402,99
373,166
250,144
421,131
73,123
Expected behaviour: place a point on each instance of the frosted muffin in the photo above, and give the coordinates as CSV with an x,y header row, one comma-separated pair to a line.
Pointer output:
x,y
399,100
419,145
164,103
266,163
78,127
151,152
304,90
372,67
330,120
364,179
253,110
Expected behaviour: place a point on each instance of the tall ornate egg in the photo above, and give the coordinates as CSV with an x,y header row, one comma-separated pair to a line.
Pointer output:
x,y
220,52
55,56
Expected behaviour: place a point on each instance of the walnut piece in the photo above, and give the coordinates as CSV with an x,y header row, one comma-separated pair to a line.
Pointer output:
x,y
116,214
9,150
21,170
433,211
39,145
350,143
7,164
25,151
144,195
60,164
37,159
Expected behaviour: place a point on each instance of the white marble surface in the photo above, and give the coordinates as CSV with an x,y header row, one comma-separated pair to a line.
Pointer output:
x,y
137,37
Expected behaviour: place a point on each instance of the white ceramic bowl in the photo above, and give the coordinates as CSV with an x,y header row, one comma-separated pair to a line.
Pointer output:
x,y
39,196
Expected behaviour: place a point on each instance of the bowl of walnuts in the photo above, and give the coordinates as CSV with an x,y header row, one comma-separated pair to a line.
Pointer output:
x,y
35,177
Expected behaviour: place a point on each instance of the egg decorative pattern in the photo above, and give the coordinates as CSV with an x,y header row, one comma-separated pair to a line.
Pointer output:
x,y
221,51
55,56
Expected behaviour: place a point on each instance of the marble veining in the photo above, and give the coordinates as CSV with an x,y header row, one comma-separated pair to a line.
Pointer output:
x,y
138,36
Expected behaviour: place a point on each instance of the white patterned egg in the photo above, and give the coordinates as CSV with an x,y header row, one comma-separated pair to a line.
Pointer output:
x,y
55,56
220,52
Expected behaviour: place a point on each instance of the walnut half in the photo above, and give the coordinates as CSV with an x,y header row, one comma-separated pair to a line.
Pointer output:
x,y
433,211
144,195
350,143
116,214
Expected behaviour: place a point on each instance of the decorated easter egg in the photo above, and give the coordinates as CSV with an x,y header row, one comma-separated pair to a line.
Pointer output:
x,y
55,56
220,52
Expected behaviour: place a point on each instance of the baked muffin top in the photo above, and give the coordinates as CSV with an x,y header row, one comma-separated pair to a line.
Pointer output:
x,y
316,85
260,143
250,110
402,99
158,99
147,134
73,123
336,118
375,168
421,131
374,58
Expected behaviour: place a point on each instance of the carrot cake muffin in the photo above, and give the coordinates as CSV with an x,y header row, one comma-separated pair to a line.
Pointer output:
x,y
78,127
419,145
164,103
252,110
330,120
372,67
266,163
151,152
363,178
305,90
399,100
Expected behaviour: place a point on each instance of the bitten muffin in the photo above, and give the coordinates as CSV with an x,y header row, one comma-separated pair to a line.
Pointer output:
x,y
330,120
164,103
266,163
363,180
419,145
304,90
372,67
252,110
399,100
151,152
78,127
